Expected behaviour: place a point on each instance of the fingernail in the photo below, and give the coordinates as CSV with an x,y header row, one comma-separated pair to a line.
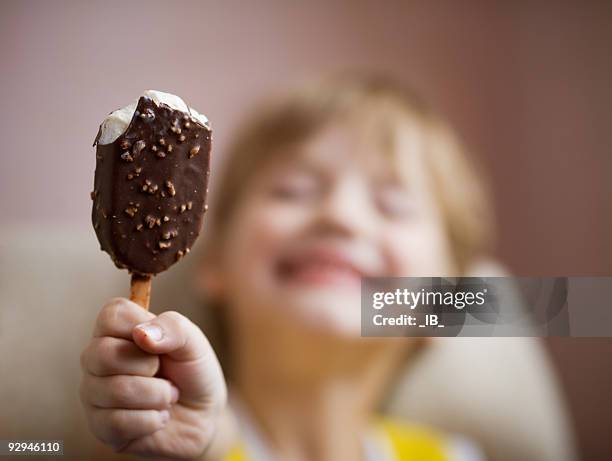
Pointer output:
x,y
152,331
165,415
174,393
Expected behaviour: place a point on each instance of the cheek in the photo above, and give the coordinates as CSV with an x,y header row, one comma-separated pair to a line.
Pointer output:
x,y
418,250
257,236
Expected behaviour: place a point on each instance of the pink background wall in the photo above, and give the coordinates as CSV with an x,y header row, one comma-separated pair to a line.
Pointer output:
x,y
528,84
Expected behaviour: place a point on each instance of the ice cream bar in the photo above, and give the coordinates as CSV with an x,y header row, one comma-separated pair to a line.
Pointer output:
x,y
151,182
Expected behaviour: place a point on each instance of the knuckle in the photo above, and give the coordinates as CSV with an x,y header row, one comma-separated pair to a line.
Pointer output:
x,y
83,393
101,352
182,324
111,311
176,317
104,350
109,356
84,357
116,301
115,425
121,389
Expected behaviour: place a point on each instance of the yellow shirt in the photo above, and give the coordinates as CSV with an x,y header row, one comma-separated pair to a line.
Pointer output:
x,y
408,442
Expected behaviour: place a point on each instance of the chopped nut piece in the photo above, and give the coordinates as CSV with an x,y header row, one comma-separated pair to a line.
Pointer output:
x,y
169,148
166,219
149,187
171,189
162,142
187,125
165,245
150,221
170,234
131,211
182,138
138,147
139,227
154,148
189,205
124,144
183,208
161,154
127,157
194,151
147,114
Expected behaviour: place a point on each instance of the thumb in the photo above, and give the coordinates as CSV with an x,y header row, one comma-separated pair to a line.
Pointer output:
x,y
188,359
173,334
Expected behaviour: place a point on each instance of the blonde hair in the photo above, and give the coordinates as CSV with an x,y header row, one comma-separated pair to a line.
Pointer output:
x,y
299,114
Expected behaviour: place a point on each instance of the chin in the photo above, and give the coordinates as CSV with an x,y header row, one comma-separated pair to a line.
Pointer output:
x,y
327,312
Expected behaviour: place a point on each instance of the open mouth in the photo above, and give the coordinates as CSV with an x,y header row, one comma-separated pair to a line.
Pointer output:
x,y
320,267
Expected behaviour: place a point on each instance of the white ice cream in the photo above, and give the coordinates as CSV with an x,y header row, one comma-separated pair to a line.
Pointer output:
x,y
117,122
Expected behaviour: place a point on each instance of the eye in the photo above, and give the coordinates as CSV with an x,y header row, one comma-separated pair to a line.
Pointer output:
x,y
295,186
396,202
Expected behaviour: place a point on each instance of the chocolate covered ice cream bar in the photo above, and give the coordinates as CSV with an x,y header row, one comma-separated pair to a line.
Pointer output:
x,y
151,182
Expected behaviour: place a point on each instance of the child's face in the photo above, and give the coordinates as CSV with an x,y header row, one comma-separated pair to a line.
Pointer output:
x,y
320,218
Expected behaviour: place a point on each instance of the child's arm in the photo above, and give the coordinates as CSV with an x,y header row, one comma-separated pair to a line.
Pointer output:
x,y
152,385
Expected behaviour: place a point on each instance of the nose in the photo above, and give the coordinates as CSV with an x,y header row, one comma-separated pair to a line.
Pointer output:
x,y
346,209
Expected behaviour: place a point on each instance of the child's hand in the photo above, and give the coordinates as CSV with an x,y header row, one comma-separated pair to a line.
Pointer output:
x,y
151,385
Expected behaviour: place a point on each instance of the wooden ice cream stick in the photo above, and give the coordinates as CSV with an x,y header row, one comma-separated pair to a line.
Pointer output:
x,y
140,290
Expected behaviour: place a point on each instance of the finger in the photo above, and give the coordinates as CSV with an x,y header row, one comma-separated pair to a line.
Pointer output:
x,y
107,356
118,317
128,392
188,360
173,334
117,426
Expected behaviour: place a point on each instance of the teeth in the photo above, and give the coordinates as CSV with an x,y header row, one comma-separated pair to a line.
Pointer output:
x,y
324,266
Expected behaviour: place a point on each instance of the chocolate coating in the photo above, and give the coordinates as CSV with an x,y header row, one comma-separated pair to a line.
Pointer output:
x,y
150,188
